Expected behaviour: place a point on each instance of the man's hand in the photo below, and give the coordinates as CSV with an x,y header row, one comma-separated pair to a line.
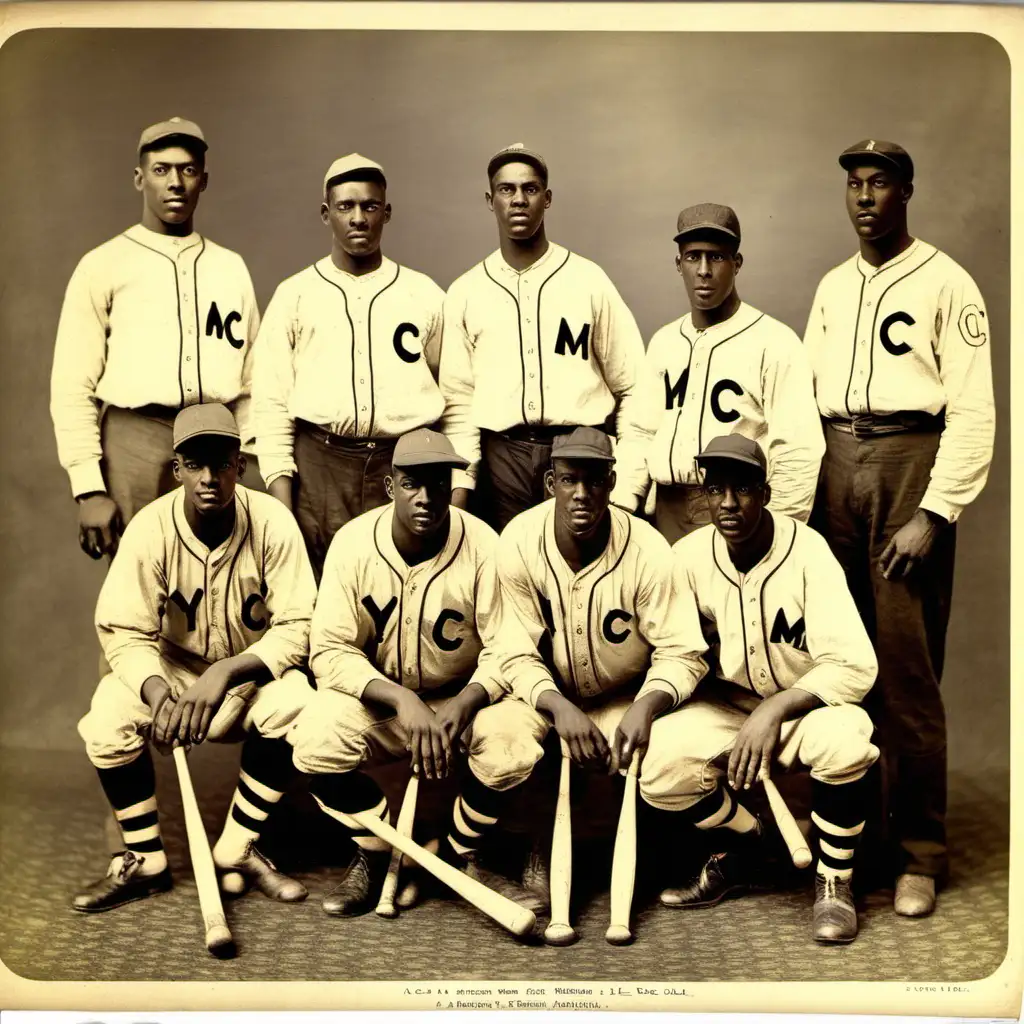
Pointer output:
x,y
99,525
755,745
281,488
460,498
194,709
456,715
157,694
910,546
586,743
634,731
429,743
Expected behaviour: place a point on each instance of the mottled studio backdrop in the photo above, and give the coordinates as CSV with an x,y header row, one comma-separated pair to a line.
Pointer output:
x,y
634,127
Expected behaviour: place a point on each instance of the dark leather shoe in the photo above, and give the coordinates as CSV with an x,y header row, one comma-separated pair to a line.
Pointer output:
x,y
259,871
122,884
723,876
360,886
835,916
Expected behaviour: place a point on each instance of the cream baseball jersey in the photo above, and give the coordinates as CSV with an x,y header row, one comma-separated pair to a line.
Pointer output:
x,y
553,345
789,621
910,336
169,596
420,626
748,375
149,319
617,621
356,355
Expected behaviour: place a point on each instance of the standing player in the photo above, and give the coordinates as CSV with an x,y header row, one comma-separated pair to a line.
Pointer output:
x,y
347,362
793,662
204,618
537,341
898,341
154,320
726,366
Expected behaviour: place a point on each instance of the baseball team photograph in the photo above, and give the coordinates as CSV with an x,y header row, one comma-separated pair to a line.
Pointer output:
x,y
554,525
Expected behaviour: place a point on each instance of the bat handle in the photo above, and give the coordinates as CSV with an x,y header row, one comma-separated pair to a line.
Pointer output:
x,y
386,904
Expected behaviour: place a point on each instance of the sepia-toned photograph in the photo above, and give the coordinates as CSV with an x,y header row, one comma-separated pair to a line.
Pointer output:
x,y
516,511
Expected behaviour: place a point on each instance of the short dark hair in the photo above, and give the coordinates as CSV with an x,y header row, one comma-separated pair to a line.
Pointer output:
x,y
186,142
368,174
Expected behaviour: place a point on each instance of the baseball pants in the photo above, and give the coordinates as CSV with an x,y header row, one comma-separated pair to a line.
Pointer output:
x,y
117,724
679,509
867,490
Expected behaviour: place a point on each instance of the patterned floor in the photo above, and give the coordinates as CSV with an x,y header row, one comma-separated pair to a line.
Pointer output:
x,y
52,840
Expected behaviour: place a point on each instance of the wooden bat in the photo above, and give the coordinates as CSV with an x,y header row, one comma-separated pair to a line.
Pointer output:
x,y
516,919
624,861
219,940
791,833
559,931
386,905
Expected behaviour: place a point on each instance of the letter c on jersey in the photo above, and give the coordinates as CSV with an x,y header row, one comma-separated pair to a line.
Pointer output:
x,y
615,615
895,348
971,323
249,605
443,643
403,353
724,415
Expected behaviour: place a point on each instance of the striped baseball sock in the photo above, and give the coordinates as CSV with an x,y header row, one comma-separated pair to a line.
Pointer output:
x,y
475,812
342,794
838,814
131,790
720,809
265,773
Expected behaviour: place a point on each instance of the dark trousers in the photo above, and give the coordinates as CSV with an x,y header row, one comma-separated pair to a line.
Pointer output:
x,y
338,479
679,509
867,490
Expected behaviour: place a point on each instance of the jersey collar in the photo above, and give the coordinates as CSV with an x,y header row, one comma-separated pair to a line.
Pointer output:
x,y
910,259
618,538
496,265
386,545
169,245
385,272
782,542
194,544
744,316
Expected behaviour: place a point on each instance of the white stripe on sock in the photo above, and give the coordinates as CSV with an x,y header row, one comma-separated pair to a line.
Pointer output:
x,y
259,788
142,807
835,851
715,819
460,821
140,835
827,826
250,808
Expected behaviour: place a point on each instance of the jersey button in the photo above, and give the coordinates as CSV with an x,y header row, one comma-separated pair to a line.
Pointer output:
x,y
764,675
579,629
408,620
868,304
751,650
532,406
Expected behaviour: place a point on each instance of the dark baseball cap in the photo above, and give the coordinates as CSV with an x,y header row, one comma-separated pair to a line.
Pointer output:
x,y
426,448
708,217
874,150
210,419
583,443
170,128
733,448
517,153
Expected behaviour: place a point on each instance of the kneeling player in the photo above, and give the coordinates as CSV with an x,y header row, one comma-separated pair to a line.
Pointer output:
x,y
204,619
793,661
402,649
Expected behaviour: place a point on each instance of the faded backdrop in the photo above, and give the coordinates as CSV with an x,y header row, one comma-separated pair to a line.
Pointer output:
x,y
634,127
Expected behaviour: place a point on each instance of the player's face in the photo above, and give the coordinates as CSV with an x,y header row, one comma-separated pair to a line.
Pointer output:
x,y
736,499
876,200
356,212
518,199
422,496
708,268
170,181
209,473
582,489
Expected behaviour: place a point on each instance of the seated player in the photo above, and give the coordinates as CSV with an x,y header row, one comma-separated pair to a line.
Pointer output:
x,y
606,650
793,661
204,620
402,646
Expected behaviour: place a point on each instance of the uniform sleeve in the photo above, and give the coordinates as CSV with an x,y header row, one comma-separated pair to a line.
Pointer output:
x,y
456,382
814,332
522,626
489,612
131,604
963,353
670,622
273,379
242,406
633,480
844,666
291,593
434,331
341,628
78,361
795,443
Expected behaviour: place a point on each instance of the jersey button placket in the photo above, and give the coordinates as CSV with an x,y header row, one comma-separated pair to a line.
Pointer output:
x,y
361,342
530,327
411,639
184,265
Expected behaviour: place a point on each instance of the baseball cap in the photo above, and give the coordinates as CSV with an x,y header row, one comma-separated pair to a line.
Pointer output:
x,y
583,443
210,419
171,127
708,217
517,153
733,448
425,447
876,149
346,167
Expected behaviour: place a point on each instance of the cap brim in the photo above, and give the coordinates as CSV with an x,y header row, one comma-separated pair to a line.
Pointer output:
x,y
746,460
716,228
517,158
863,156
194,139
410,461
213,432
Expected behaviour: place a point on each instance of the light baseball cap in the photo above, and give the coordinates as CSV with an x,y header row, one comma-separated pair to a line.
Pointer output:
x,y
733,448
167,129
425,447
583,443
349,167
210,419
514,154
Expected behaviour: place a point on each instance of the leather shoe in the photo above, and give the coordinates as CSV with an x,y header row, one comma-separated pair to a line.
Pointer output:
x,y
122,884
724,875
258,870
356,894
835,916
915,895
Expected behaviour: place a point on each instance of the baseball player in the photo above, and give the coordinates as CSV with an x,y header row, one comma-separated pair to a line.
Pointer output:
x,y
402,647
204,618
154,320
725,366
537,341
347,362
793,661
898,342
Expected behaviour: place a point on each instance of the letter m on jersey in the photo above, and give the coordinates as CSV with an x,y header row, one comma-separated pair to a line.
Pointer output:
x,y
675,393
783,633
565,340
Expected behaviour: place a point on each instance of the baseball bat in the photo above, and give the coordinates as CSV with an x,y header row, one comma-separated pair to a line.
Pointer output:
x,y
559,931
386,904
791,833
516,919
219,940
624,861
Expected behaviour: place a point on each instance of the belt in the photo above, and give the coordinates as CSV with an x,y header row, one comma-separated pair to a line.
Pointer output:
x,y
535,433
870,425
350,444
